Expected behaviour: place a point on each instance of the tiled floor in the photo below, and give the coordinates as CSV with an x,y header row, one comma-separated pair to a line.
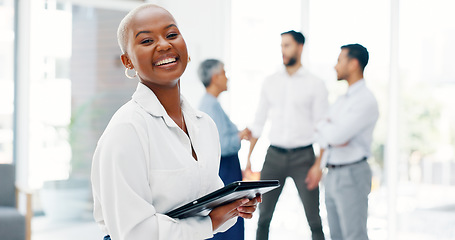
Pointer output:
x,y
424,213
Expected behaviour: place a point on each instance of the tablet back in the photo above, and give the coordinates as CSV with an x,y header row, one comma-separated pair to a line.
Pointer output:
x,y
231,192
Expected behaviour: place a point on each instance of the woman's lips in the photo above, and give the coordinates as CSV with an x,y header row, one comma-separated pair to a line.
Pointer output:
x,y
166,61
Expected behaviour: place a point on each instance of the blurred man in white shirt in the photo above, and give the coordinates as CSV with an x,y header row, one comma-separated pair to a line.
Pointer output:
x,y
345,137
294,101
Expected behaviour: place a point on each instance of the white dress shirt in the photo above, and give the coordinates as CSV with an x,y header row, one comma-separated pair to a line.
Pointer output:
x,y
346,133
143,167
294,104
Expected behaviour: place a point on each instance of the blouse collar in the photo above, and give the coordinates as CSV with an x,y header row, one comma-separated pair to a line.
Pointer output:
x,y
147,99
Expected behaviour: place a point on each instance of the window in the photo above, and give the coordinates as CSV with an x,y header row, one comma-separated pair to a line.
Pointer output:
x,y
428,83
256,53
50,93
6,80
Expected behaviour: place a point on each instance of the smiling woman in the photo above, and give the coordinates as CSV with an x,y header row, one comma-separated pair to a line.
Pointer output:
x,y
156,40
157,152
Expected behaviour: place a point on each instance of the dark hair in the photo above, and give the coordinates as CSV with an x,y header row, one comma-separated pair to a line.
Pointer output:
x,y
358,52
298,36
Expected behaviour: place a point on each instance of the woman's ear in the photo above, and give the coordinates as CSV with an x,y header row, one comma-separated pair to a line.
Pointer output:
x,y
126,61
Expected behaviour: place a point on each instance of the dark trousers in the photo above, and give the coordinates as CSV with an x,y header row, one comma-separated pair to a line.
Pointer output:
x,y
230,171
279,165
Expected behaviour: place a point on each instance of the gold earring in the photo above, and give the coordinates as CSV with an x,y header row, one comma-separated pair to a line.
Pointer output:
x,y
189,58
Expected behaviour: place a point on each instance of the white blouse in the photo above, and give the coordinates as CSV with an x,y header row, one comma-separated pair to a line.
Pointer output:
x,y
143,167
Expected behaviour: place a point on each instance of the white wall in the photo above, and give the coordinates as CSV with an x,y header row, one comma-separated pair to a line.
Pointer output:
x,y
204,25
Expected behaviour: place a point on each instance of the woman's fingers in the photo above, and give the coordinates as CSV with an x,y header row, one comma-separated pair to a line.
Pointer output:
x,y
254,201
243,208
246,215
246,209
232,207
221,214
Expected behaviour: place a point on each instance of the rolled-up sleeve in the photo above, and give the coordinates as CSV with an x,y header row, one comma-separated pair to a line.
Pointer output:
x,y
261,114
339,131
320,102
320,139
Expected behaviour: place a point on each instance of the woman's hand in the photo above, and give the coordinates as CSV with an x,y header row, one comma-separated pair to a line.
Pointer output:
x,y
243,208
247,209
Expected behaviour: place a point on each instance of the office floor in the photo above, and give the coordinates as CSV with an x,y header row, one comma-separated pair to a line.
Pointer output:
x,y
425,212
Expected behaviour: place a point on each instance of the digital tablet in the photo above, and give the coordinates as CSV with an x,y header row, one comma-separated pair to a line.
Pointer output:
x,y
231,192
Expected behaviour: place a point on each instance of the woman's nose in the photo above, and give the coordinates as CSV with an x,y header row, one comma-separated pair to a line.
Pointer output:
x,y
163,45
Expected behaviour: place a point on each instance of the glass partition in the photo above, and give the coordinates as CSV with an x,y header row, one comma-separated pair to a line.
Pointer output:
x,y
6,80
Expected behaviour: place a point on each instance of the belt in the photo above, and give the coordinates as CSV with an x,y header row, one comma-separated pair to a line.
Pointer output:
x,y
331,166
290,150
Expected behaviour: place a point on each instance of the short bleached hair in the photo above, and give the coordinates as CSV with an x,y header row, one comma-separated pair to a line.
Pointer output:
x,y
122,36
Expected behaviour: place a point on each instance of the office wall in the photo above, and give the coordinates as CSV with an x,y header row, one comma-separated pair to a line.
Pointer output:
x,y
98,84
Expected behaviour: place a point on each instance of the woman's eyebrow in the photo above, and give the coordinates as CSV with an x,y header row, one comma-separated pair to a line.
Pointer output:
x,y
168,26
142,32
171,25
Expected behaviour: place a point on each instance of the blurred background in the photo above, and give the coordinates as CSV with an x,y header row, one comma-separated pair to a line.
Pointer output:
x,y
61,80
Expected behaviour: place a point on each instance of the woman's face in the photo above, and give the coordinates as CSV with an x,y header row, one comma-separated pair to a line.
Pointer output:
x,y
156,49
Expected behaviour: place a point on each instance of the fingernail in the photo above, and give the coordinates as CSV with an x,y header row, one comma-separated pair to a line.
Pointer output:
x,y
245,201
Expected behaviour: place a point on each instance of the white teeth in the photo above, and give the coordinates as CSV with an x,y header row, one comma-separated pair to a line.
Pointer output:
x,y
164,61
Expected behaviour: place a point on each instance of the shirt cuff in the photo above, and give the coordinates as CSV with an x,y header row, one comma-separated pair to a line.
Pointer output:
x,y
228,224
206,230
321,141
193,228
255,132
324,158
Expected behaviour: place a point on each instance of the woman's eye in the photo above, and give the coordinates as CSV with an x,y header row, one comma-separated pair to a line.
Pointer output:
x,y
145,41
172,35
